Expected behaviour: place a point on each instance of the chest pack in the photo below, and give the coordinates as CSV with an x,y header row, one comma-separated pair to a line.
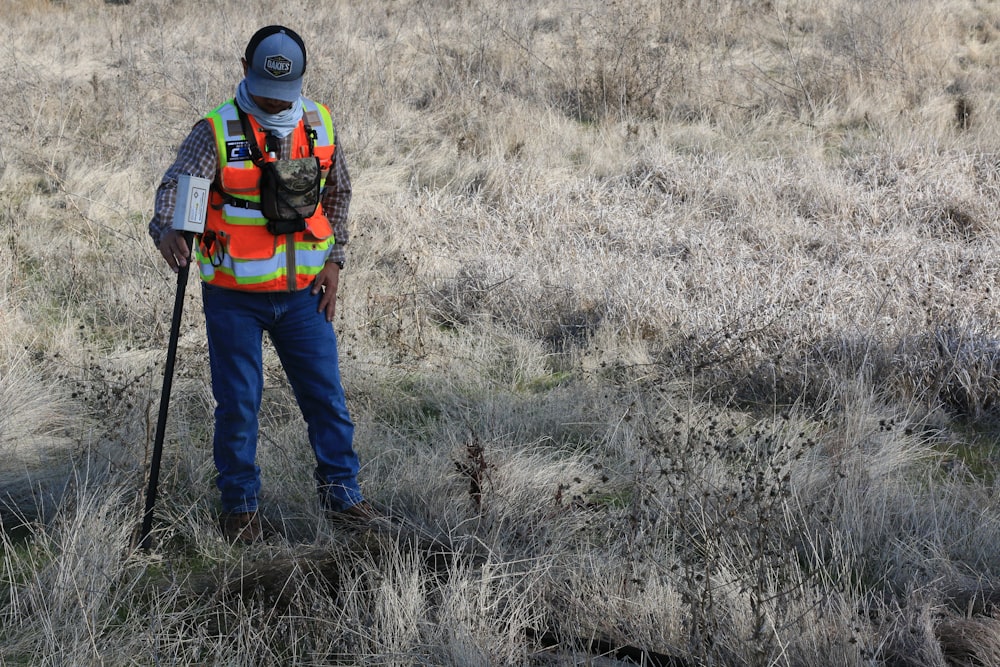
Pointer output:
x,y
289,189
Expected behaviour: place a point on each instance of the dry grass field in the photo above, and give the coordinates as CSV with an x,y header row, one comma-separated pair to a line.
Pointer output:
x,y
673,322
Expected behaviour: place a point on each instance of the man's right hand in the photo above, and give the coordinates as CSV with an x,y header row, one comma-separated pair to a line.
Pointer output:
x,y
175,250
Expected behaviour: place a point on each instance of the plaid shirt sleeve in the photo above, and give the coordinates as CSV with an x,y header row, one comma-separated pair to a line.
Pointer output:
x,y
336,200
196,156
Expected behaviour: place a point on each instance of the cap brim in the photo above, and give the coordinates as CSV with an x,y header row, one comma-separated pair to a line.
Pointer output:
x,y
287,91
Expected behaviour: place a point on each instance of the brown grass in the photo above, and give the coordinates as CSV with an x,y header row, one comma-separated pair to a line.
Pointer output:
x,y
675,321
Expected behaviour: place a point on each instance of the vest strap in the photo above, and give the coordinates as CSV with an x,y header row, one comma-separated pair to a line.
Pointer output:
x,y
255,153
238,203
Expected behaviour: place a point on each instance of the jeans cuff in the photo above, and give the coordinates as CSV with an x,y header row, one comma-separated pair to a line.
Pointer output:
x,y
338,497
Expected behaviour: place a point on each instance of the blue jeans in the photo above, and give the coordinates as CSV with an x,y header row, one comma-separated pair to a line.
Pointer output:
x,y
307,347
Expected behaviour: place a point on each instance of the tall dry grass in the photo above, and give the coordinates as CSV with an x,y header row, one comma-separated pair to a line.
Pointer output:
x,y
675,321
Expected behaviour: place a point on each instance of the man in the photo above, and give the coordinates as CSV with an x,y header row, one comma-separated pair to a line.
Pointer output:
x,y
277,274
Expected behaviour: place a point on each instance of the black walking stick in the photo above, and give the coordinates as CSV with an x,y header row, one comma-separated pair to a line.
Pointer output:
x,y
161,421
189,218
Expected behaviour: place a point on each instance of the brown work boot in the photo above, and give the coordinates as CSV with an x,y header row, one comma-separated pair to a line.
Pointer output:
x,y
241,527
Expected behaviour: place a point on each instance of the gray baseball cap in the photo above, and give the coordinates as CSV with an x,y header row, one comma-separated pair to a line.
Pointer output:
x,y
276,59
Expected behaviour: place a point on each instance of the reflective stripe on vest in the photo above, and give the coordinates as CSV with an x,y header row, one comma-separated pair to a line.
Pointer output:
x,y
243,254
261,274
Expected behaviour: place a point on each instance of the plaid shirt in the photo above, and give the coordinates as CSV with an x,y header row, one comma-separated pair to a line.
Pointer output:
x,y
198,156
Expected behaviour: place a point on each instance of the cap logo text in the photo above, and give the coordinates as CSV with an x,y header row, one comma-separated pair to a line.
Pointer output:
x,y
277,65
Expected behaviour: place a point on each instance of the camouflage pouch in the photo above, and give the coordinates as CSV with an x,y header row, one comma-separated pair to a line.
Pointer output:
x,y
289,193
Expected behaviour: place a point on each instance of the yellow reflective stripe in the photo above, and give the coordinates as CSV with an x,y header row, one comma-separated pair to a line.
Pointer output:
x,y
236,215
248,272
218,127
328,124
310,256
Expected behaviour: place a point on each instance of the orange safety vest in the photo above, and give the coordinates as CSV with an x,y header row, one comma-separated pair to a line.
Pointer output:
x,y
236,250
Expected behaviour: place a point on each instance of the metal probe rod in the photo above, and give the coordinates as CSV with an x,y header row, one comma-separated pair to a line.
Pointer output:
x,y
161,421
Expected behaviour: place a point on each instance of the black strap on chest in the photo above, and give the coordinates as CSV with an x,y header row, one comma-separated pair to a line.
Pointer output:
x,y
255,152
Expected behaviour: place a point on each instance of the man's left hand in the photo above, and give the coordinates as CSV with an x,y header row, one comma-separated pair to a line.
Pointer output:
x,y
326,283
